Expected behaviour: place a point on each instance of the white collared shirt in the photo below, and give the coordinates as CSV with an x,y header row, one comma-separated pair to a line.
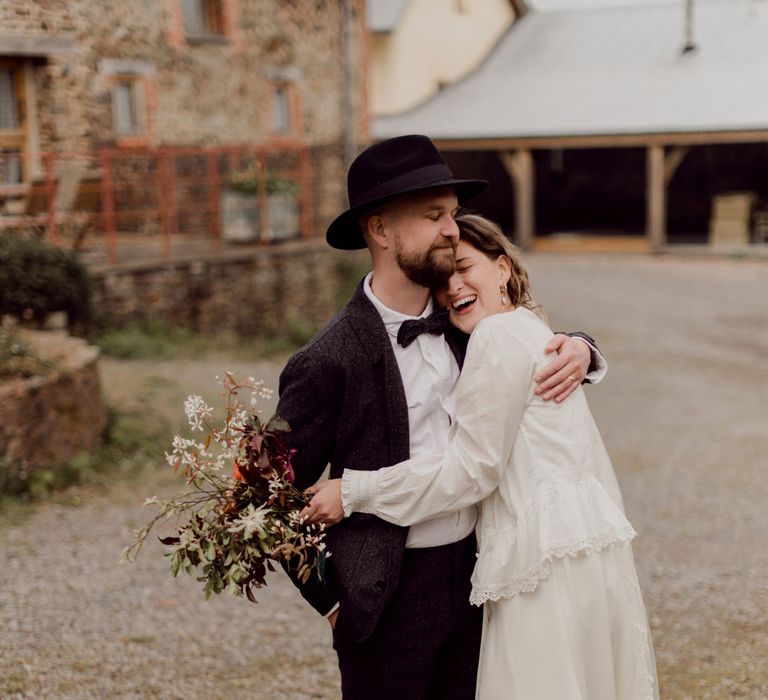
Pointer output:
x,y
429,372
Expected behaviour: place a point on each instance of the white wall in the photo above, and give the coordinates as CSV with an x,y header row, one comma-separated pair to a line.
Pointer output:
x,y
436,41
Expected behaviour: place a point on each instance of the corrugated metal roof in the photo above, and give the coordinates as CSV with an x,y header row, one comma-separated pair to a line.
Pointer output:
x,y
609,71
383,16
544,5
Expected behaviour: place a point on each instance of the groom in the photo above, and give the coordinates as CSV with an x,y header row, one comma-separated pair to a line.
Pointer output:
x,y
373,388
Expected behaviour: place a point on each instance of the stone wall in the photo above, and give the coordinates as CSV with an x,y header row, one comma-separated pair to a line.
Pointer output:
x,y
204,90
255,291
46,421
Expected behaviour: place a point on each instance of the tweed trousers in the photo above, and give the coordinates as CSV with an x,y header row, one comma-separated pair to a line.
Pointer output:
x,y
427,643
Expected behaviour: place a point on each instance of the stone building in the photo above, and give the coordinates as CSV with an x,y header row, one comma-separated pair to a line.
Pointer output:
x,y
78,76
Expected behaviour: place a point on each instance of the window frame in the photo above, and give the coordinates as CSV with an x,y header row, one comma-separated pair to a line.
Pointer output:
x,y
213,14
138,103
18,138
287,88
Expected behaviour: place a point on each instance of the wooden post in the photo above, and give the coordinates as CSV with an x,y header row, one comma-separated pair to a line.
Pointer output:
x,y
306,211
656,198
166,192
214,194
52,230
263,195
108,204
519,166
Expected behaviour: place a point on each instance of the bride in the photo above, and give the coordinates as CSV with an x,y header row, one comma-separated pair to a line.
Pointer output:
x,y
563,614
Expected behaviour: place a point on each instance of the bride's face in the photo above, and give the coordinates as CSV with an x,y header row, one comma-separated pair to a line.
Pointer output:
x,y
474,290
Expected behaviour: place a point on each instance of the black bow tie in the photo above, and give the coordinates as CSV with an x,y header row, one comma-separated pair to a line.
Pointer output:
x,y
435,324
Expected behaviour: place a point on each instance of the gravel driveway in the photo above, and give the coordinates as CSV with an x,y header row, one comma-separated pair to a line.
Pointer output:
x,y
684,412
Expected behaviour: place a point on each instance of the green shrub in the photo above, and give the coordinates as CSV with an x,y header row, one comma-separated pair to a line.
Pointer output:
x,y
135,341
37,279
252,179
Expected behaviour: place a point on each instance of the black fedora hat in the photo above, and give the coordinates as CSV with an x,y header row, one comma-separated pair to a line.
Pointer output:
x,y
387,169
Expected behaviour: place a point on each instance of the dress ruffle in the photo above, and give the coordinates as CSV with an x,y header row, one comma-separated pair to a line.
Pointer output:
x,y
563,520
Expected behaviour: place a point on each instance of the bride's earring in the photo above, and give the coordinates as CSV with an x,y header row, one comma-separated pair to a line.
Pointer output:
x,y
504,297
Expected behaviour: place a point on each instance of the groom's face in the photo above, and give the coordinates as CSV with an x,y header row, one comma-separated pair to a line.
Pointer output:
x,y
425,235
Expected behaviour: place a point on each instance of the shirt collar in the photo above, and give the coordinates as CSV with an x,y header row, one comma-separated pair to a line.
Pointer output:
x,y
392,319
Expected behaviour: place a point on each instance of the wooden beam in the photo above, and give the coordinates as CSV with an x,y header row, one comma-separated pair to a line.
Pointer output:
x,y
603,141
656,200
672,162
519,166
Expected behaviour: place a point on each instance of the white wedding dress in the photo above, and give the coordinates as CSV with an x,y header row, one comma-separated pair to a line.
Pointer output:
x,y
564,617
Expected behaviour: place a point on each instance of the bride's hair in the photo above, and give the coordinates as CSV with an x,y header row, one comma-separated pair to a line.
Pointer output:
x,y
487,237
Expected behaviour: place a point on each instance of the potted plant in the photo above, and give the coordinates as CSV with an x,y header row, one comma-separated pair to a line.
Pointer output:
x,y
241,214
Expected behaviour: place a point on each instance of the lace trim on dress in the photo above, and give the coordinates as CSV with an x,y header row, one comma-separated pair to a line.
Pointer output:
x,y
530,580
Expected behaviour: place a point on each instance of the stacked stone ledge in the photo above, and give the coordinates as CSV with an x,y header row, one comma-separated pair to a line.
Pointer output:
x,y
46,421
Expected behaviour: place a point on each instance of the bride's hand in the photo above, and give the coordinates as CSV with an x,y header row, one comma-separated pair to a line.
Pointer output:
x,y
325,506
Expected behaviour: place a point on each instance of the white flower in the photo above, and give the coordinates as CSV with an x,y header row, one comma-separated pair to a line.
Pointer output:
x,y
250,521
258,390
238,419
197,411
181,454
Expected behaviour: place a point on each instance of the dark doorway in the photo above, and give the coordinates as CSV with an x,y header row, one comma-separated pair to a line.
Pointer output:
x,y
707,171
590,191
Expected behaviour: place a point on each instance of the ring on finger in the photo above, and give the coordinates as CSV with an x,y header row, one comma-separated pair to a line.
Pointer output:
x,y
572,378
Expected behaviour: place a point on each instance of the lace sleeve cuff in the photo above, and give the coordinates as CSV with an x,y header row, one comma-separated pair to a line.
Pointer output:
x,y
358,491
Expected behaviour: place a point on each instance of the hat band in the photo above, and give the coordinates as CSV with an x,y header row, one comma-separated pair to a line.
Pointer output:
x,y
413,179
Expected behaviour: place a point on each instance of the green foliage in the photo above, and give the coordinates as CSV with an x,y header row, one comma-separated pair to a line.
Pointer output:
x,y
37,279
157,339
253,179
18,358
140,340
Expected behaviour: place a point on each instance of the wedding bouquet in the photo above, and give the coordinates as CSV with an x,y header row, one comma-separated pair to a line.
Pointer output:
x,y
240,511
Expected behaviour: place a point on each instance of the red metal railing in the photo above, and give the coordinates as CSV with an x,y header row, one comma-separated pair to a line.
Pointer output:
x,y
125,204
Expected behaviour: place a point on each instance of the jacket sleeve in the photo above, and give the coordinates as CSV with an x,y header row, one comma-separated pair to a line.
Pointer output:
x,y
492,393
598,366
310,396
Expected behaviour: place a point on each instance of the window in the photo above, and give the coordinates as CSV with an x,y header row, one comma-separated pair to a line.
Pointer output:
x,y
12,131
203,17
281,110
132,90
127,106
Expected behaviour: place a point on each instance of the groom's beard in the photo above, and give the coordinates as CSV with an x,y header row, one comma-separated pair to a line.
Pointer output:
x,y
433,269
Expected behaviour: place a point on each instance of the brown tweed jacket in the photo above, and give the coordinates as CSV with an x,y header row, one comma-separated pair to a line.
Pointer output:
x,y
343,397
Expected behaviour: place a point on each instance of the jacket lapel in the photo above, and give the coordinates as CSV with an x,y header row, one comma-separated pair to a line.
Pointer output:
x,y
373,336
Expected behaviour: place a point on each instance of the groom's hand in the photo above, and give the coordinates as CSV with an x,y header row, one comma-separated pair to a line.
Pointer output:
x,y
566,372
325,506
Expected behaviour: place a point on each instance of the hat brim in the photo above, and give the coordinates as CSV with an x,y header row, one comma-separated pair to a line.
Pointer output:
x,y
344,232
